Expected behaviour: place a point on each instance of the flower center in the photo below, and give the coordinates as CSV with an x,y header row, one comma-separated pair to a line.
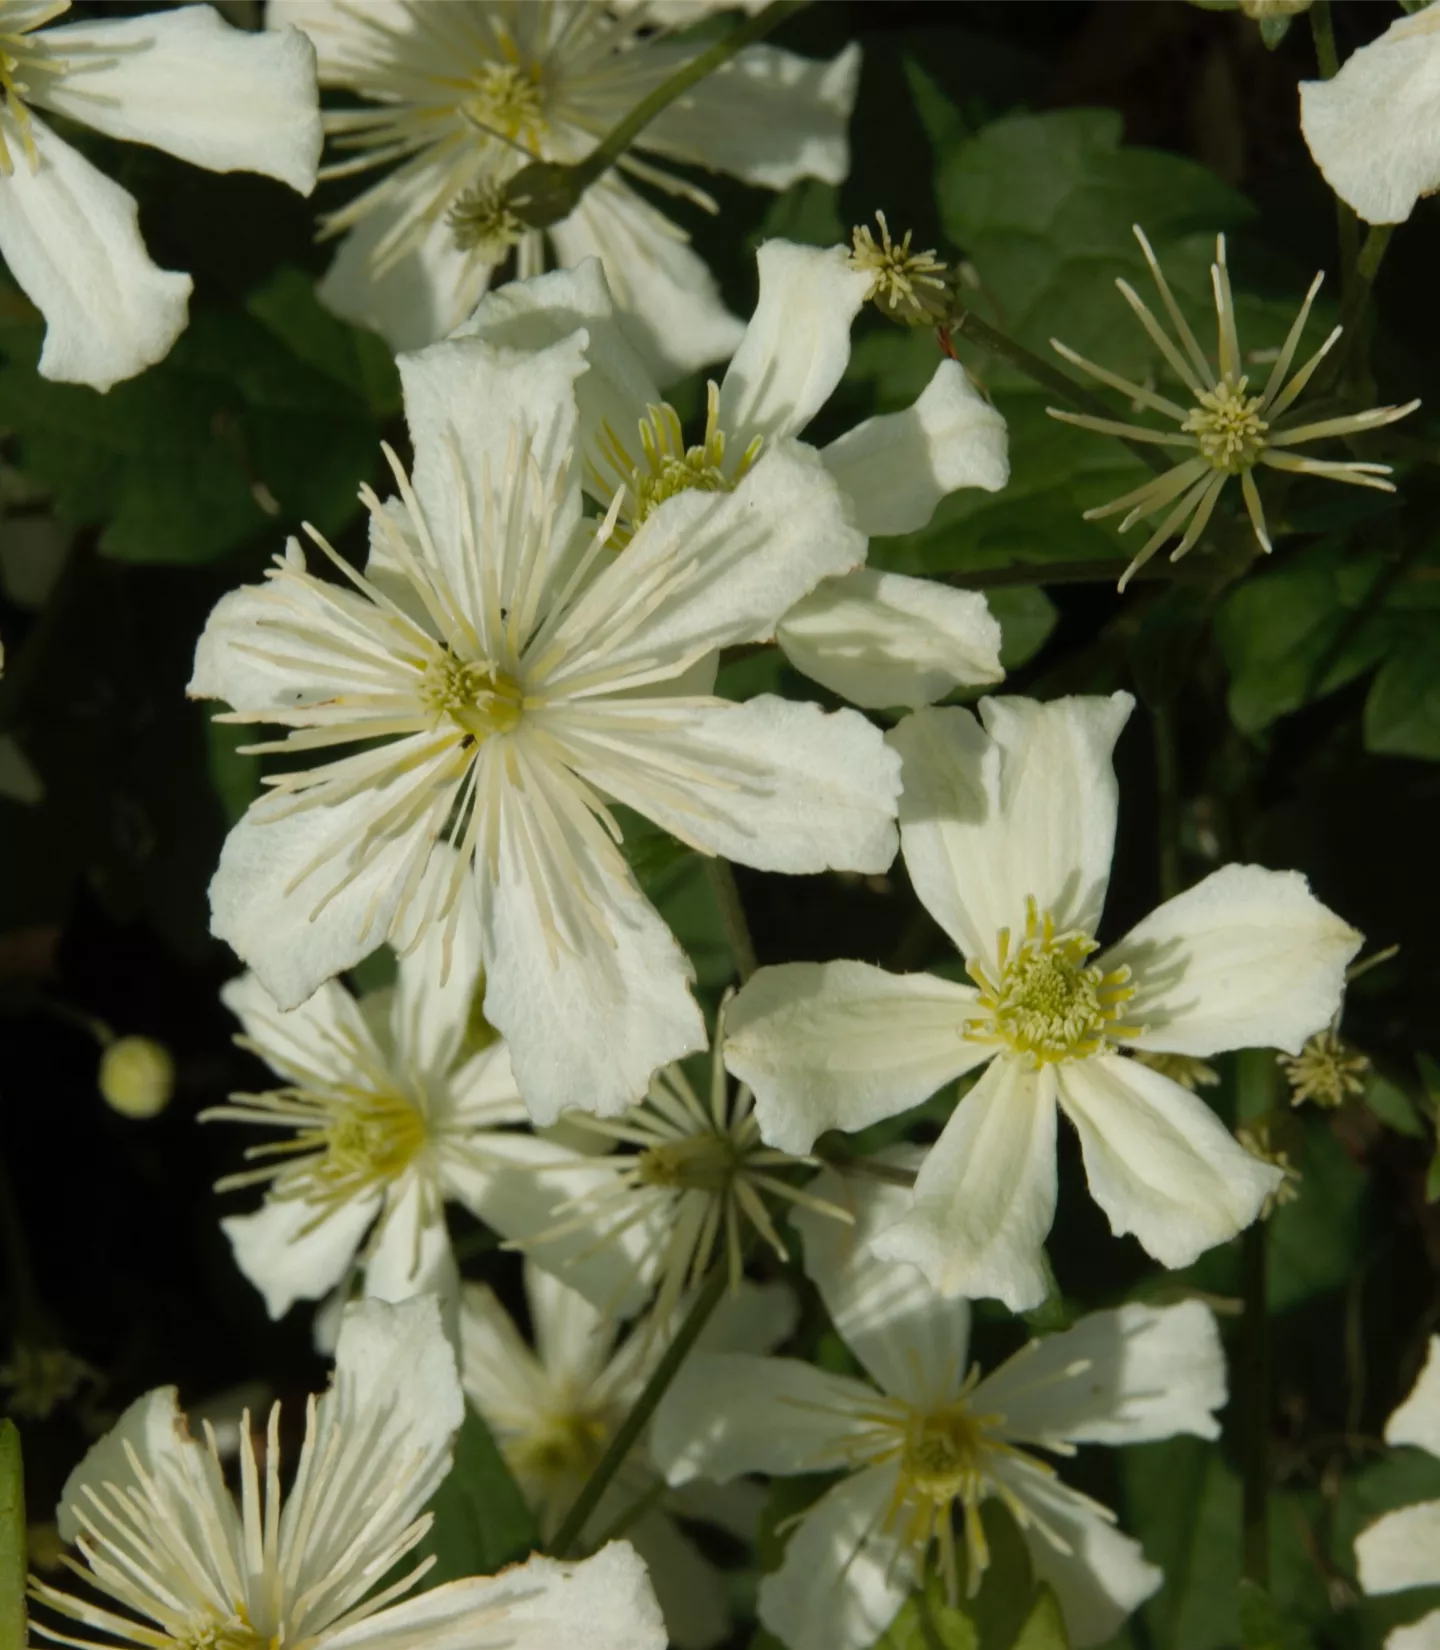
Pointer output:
x,y
14,87
698,1163
563,1446
477,696
942,1455
909,286
1044,1001
507,99
481,221
209,1633
1227,426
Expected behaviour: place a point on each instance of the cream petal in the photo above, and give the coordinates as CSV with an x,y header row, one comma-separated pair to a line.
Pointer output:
x,y
287,1263
71,239
767,116
1023,808
693,1595
323,1038
411,1253
1248,958
186,82
482,1093
1121,1377
898,466
756,1318
1400,1550
501,1375
985,1195
840,1585
1159,1161
1374,129
797,345
1417,1635
573,1339
1417,1420
435,985
770,783
344,38
882,639
728,1414
841,1045
912,1340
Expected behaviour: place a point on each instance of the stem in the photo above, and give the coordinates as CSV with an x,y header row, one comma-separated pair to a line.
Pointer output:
x,y
1347,226
1357,299
645,1406
1073,572
1256,1072
732,914
891,1173
637,1509
1167,785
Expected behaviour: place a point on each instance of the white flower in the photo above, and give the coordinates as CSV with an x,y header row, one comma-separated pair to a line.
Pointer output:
x,y
1007,825
502,692
934,1442
1402,1549
554,1410
164,1540
876,638
179,80
462,95
1374,130
396,1109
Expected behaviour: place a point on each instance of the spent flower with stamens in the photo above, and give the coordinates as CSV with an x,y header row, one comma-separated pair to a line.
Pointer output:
x,y
1327,1070
906,286
1230,428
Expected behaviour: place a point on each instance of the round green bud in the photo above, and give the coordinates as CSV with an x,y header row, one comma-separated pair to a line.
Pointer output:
x,y
137,1077
542,193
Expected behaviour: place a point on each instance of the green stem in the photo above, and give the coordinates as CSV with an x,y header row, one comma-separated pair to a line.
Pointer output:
x,y
628,1433
636,1509
1256,1073
1357,299
1075,572
732,915
1347,226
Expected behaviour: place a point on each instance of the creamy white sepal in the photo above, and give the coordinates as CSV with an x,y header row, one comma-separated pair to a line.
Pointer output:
x,y
881,639
985,1195
898,466
411,1253
431,1005
1374,129
841,1045
154,1429
797,345
186,82
1417,1635
1248,958
1022,807
1417,1420
841,1583
315,1040
71,239
285,1262
1120,1377
339,33
1160,1163
1400,1549
768,116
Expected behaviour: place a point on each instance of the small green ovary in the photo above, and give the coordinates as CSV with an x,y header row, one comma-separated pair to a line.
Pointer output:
x,y
476,696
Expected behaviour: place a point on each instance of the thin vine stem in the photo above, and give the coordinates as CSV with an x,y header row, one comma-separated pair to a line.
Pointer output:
x,y
1256,1076
723,885
1347,225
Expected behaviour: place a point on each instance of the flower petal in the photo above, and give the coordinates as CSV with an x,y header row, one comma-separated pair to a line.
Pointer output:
x,y
1374,129
287,1263
1021,809
1121,1377
797,345
898,466
501,1375
912,1340
841,1045
1248,958
1159,1161
881,639
1417,1420
71,239
1400,1549
186,82
573,1339
1416,1635
435,986
411,1254
318,1040
767,116
985,1195
482,1093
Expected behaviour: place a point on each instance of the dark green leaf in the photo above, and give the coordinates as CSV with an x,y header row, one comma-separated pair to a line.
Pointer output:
x,y
481,1520
12,1539
1392,1105
1027,616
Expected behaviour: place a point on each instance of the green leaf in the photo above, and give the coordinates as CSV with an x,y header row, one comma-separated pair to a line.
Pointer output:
x,y
12,1539
927,1622
1263,1626
1402,714
1314,1240
1044,1627
481,1520
1393,1106
1027,616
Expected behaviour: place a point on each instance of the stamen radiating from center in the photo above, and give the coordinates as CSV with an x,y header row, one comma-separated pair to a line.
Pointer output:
x,y
476,696
21,63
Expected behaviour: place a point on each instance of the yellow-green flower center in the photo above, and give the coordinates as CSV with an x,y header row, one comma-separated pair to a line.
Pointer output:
x,y
477,696
1227,426
208,1633
508,99
370,1140
908,286
698,1163
481,221
942,1454
563,1446
19,62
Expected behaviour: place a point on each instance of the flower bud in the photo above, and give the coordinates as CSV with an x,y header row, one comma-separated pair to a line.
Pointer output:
x,y
542,193
136,1077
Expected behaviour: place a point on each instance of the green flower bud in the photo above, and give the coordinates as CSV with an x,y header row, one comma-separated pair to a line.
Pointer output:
x,y
137,1077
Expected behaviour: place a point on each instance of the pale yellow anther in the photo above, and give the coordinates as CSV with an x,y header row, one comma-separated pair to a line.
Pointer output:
x,y
476,696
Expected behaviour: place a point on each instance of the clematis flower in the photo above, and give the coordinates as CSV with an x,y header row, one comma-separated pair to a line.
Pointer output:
x,y
500,693
397,1108
876,638
924,1443
1374,129
461,96
181,81
1401,1549
554,1410
162,1538
1007,825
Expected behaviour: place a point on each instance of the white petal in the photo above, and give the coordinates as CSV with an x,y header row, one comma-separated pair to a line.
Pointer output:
x,y
324,1038
1121,1377
1102,1577
501,1375
840,1585
1417,1635
669,304
344,39
770,783
435,985
841,1045
1248,958
186,82
692,1592
727,1414
1400,1550
1159,1161
1023,809
591,1012
285,1262
1417,1420
573,1339
910,1338
756,1318
602,1603
797,345
1374,129
411,1254
881,639
767,116
985,1195
898,466
71,240
483,1093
